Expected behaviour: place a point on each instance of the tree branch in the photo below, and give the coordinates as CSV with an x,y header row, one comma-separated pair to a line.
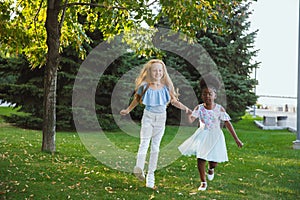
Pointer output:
x,y
35,20
63,15
38,11
150,4
91,4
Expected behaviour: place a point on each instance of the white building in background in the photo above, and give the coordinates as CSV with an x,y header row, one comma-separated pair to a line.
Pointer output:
x,y
278,104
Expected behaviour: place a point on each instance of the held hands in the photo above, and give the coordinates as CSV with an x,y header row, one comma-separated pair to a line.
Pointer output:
x,y
188,111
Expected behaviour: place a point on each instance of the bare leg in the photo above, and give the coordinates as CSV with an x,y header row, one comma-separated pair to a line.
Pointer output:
x,y
211,165
201,168
211,168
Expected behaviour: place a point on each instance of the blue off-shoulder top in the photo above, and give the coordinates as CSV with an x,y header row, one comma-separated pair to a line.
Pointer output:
x,y
155,100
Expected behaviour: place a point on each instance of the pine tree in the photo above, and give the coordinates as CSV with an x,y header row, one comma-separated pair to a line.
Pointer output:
x,y
24,90
233,53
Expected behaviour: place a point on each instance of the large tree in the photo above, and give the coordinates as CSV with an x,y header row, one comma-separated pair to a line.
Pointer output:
x,y
233,53
40,29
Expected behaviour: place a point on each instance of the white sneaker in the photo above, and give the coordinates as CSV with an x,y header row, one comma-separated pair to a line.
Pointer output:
x,y
203,186
210,177
139,173
150,181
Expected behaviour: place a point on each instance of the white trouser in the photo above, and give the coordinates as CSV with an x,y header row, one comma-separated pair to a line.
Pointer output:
x,y
152,129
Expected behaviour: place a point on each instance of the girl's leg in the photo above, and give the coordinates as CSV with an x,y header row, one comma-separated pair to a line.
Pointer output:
x,y
154,151
158,132
145,137
142,152
211,167
201,168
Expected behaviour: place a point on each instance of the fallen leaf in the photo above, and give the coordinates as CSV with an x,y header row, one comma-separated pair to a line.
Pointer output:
x,y
109,189
152,196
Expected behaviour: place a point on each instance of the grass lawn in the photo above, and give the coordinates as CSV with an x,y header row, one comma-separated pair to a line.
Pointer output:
x,y
267,167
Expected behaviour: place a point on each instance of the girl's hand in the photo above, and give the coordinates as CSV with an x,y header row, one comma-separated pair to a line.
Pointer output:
x,y
188,111
239,143
124,112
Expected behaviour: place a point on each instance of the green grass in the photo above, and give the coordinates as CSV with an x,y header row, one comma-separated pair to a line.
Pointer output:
x,y
266,168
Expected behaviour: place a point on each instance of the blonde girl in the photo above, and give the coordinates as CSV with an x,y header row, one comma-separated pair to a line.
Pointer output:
x,y
155,90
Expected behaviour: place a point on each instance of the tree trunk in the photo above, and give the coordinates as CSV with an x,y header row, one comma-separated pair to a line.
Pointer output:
x,y
50,79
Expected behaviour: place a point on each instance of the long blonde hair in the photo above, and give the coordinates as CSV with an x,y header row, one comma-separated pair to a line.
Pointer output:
x,y
145,76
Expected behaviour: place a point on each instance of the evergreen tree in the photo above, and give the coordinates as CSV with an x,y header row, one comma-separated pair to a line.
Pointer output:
x,y
233,53
22,86
25,88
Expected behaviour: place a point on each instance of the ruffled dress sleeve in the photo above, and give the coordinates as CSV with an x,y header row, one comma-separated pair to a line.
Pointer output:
x,y
156,97
224,116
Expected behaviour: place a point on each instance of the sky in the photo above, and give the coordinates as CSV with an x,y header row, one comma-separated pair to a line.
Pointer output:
x,y
277,40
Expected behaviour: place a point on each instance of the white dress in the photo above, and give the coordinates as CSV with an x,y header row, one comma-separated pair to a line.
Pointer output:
x,y
208,141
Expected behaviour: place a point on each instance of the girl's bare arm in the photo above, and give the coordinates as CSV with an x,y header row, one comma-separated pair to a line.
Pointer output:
x,y
178,104
132,105
233,133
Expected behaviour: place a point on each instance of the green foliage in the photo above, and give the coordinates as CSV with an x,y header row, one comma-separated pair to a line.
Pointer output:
x,y
84,29
24,32
190,16
233,53
26,90
230,54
